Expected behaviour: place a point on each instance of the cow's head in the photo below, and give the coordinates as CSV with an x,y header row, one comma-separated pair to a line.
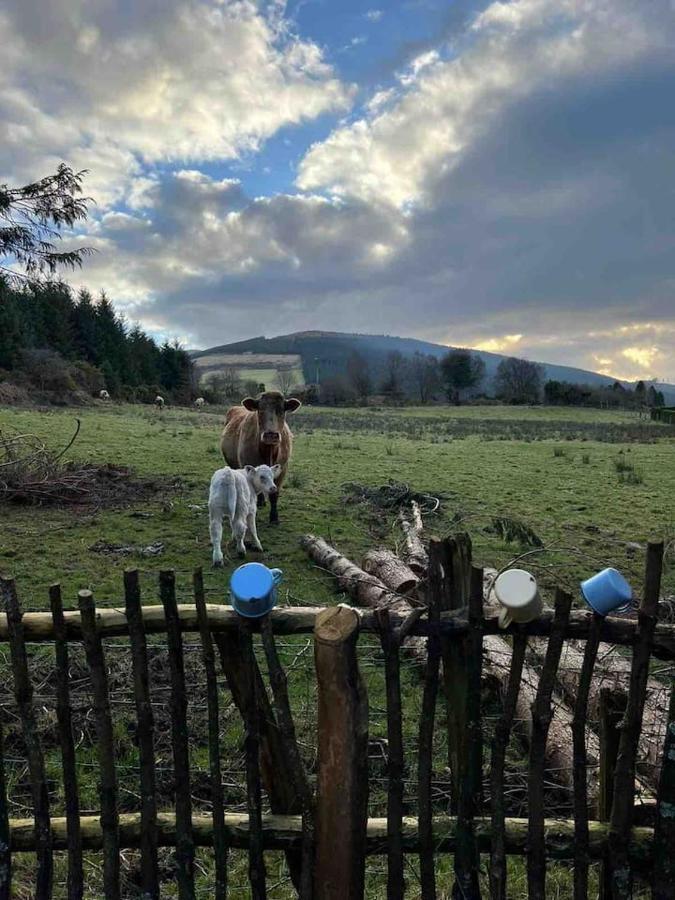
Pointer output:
x,y
271,408
262,478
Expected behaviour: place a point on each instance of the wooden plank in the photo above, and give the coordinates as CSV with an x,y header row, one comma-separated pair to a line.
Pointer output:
x,y
106,746
612,708
285,832
256,860
395,761
145,728
467,862
38,626
23,692
64,723
219,835
185,849
342,758
5,849
500,745
282,709
541,719
624,776
425,748
664,831
580,759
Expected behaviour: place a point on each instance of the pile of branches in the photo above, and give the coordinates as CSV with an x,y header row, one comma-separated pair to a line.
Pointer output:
x,y
394,495
33,474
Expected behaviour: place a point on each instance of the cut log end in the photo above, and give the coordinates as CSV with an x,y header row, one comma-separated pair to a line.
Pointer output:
x,y
336,625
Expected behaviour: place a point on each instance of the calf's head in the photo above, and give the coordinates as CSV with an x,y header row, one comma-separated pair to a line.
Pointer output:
x,y
262,478
271,408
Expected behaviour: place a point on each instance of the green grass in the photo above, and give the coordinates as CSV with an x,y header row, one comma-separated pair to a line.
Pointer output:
x,y
484,462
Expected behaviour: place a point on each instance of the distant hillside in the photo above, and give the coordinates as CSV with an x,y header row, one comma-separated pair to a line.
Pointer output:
x,y
328,351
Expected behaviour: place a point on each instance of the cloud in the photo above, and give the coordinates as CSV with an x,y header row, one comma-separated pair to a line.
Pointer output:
x,y
507,343
111,88
374,15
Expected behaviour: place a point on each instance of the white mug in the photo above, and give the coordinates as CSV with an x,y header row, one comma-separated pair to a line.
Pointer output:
x,y
518,594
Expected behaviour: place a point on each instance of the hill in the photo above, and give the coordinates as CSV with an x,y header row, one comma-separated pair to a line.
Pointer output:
x,y
327,352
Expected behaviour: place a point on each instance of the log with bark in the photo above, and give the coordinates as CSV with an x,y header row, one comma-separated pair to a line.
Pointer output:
x,y
413,528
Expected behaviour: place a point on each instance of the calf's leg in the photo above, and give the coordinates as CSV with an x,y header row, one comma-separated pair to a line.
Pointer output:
x,y
216,529
252,530
238,533
274,515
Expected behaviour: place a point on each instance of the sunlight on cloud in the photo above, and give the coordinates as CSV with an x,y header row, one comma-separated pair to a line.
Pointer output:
x,y
500,344
645,357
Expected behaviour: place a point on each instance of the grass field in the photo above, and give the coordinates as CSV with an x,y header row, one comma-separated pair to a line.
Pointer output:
x,y
565,473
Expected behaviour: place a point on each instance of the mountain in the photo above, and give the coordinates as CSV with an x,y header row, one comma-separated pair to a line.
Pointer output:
x,y
330,350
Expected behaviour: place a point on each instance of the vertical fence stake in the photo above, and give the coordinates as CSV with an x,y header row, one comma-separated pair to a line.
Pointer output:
x,y
106,749
282,708
664,831
23,691
219,834
64,721
5,853
624,777
500,745
580,773
256,858
541,720
342,777
392,674
612,709
145,733
185,848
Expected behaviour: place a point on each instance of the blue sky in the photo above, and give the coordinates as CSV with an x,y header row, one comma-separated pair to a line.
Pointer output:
x,y
490,174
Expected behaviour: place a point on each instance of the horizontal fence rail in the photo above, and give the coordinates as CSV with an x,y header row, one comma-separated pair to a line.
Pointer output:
x,y
112,622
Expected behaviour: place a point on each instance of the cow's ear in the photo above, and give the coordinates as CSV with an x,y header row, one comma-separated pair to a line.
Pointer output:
x,y
249,470
276,470
292,404
250,404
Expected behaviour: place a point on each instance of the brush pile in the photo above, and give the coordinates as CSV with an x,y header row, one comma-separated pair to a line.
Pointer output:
x,y
31,473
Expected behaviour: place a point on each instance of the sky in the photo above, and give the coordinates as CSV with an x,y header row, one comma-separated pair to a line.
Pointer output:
x,y
498,175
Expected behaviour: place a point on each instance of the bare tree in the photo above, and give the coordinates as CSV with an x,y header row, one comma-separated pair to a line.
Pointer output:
x,y
424,376
226,384
358,373
285,380
393,383
519,381
31,219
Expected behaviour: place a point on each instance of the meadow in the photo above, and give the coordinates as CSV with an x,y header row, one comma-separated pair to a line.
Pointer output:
x,y
593,486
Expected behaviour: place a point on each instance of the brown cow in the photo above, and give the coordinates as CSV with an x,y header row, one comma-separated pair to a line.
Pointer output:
x,y
256,434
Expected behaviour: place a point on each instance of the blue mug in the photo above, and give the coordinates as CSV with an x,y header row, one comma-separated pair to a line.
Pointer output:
x,y
253,589
606,592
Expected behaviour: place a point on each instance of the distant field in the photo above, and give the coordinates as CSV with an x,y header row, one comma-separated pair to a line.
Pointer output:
x,y
260,367
557,470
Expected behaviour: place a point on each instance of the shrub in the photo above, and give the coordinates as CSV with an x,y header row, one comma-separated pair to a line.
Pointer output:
x,y
48,371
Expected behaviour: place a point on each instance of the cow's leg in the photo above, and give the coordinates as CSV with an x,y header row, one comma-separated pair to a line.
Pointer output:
x,y
216,529
261,500
238,533
274,515
252,530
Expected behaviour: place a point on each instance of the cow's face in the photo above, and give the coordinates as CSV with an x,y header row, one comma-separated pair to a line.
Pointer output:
x,y
262,478
271,408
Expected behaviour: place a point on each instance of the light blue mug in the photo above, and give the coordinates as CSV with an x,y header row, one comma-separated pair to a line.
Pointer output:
x,y
253,589
607,591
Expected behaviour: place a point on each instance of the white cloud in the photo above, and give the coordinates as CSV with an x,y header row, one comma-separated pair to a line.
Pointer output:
x,y
163,81
374,15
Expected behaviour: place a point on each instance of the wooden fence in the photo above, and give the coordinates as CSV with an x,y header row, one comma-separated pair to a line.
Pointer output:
x,y
322,824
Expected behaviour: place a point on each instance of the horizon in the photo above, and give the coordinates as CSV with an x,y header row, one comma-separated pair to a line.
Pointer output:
x,y
489,175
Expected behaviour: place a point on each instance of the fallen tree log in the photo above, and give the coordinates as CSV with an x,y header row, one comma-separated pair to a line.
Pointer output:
x,y
615,675
415,551
390,570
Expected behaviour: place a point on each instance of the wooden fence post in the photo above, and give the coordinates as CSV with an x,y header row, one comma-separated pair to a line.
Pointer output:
x,y
342,777
541,720
624,776
219,835
185,847
106,746
580,779
145,732
64,720
612,708
664,832
23,691
392,673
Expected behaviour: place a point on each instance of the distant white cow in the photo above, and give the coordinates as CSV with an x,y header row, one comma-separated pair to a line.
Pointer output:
x,y
159,402
103,395
199,402
234,494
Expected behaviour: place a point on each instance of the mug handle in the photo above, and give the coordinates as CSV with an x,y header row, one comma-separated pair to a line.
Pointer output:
x,y
277,576
504,619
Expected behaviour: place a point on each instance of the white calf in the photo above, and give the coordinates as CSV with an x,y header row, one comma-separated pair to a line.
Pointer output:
x,y
199,402
103,395
234,493
159,402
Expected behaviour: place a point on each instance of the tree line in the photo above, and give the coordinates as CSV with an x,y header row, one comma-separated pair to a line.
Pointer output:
x,y
54,340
